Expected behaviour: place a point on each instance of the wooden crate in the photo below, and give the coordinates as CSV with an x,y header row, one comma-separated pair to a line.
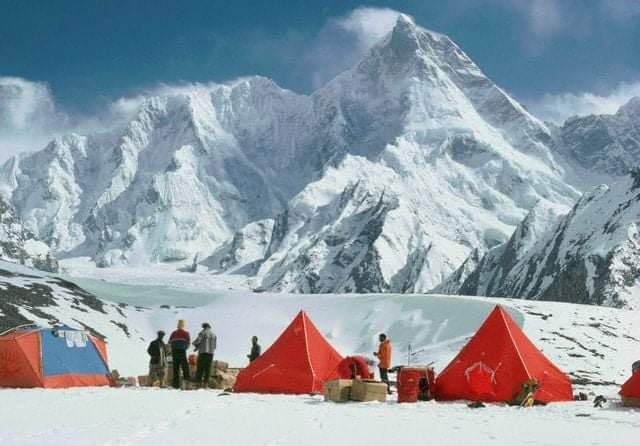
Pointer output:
x,y
338,390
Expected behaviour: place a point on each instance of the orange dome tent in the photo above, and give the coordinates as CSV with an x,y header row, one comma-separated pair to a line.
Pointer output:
x,y
630,390
58,357
299,361
496,362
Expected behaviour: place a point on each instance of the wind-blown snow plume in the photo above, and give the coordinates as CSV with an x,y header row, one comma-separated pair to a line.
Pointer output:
x,y
559,107
344,40
28,116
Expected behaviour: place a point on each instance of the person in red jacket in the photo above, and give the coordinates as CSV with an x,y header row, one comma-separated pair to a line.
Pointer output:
x,y
179,342
384,359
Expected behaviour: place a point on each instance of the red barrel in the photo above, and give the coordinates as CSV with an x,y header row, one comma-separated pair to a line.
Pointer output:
x,y
408,385
415,383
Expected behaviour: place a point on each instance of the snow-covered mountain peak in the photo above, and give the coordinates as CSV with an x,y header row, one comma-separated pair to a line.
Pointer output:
x,y
410,53
631,110
403,40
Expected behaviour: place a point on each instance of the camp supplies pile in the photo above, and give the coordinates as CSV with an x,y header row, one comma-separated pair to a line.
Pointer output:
x,y
368,390
338,390
300,361
342,390
223,377
115,380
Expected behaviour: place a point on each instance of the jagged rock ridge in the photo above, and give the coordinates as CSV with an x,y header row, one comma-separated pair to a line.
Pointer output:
x,y
590,255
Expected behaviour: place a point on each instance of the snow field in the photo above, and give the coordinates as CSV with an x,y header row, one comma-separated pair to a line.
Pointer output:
x,y
153,417
595,345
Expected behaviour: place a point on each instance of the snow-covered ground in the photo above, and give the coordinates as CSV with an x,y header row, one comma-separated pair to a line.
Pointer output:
x,y
157,417
595,345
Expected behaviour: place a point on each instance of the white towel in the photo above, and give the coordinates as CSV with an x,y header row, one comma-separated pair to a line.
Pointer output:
x,y
69,338
75,338
81,339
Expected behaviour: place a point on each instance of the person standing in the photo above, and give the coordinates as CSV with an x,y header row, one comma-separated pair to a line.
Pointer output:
x,y
179,341
205,345
256,350
384,359
157,351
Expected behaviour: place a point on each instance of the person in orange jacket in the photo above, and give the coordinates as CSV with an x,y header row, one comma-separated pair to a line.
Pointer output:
x,y
384,359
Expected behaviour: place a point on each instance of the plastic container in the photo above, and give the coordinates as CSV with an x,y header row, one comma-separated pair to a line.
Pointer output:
x,y
415,383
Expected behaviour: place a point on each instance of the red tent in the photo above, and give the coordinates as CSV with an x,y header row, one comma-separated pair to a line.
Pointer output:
x,y
630,391
496,362
56,357
299,361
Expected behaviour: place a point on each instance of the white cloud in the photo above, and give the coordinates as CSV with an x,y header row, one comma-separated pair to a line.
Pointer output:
x,y
28,116
558,107
368,25
344,40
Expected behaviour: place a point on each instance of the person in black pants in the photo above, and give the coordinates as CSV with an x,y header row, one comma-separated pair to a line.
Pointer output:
x,y
157,361
205,345
179,341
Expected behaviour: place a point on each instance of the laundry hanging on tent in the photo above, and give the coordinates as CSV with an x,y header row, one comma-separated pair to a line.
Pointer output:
x,y
74,338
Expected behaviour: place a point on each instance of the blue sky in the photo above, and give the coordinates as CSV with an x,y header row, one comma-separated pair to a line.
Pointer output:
x,y
557,56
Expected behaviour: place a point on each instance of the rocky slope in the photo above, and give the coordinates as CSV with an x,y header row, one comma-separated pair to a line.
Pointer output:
x,y
590,255
29,296
18,244
601,148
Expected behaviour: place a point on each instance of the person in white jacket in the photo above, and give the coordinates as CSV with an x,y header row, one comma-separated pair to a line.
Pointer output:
x,y
205,345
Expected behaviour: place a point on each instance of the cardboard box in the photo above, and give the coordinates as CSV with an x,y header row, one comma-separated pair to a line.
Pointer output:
x,y
630,402
220,365
338,390
368,390
223,380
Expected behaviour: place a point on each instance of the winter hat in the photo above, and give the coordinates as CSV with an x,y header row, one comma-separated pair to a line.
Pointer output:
x,y
181,323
